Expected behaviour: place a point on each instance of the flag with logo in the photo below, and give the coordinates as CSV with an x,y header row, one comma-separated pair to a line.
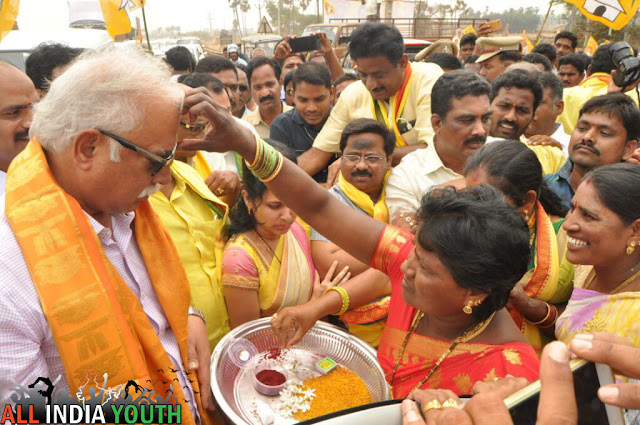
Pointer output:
x,y
527,45
116,16
613,13
328,8
591,46
8,16
468,30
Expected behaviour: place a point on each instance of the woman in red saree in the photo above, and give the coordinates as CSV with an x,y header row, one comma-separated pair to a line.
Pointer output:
x,y
452,286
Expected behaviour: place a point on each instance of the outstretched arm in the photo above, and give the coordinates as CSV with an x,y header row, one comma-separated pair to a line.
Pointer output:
x,y
356,234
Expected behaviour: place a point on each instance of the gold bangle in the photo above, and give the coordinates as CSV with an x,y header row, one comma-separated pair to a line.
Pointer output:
x,y
345,299
256,158
545,317
276,171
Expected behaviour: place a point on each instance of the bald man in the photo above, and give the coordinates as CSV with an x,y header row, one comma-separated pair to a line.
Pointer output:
x,y
17,95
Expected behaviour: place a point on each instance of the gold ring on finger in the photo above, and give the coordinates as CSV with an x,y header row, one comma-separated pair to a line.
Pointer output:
x,y
450,403
433,404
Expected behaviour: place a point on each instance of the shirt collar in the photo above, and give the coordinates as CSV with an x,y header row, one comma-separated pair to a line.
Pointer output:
x,y
432,161
565,171
118,220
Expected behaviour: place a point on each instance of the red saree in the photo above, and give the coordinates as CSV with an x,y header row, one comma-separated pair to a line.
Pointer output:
x,y
466,365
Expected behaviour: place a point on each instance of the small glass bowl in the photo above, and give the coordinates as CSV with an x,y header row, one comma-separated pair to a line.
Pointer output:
x,y
268,389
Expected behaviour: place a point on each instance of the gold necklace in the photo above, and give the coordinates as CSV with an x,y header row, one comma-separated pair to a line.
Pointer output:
x,y
619,287
268,246
466,336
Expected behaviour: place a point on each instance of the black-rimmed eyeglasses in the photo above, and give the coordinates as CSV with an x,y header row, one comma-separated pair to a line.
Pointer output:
x,y
157,161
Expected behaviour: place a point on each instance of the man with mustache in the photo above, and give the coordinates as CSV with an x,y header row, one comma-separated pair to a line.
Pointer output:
x,y
367,146
17,96
264,80
83,255
606,133
391,90
515,96
461,115
224,70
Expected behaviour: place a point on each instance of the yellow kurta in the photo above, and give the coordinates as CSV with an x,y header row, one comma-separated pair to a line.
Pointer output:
x,y
356,102
197,231
574,98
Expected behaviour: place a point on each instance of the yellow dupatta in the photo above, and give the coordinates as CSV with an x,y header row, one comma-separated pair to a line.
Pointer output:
x,y
367,321
378,210
541,282
398,101
97,322
286,280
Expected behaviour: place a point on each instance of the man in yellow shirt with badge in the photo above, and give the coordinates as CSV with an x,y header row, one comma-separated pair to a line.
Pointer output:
x,y
391,90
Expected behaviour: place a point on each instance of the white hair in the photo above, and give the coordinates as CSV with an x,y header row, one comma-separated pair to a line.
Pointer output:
x,y
103,90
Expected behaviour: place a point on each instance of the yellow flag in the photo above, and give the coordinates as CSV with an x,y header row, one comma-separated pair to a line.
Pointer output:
x,y
591,46
115,15
468,30
613,13
527,45
328,8
8,15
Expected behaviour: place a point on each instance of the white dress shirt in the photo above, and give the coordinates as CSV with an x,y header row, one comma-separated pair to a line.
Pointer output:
x,y
413,177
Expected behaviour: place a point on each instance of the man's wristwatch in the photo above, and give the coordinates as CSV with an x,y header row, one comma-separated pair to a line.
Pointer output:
x,y
195,312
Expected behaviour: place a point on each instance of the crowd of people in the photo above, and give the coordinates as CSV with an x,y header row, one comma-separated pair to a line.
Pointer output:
x,y
458,213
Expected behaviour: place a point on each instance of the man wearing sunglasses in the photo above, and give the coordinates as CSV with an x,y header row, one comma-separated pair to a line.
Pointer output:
x,y
90,281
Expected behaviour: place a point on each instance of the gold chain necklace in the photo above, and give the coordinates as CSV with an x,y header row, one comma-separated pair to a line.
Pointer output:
x,y
619,287
268,246
466,336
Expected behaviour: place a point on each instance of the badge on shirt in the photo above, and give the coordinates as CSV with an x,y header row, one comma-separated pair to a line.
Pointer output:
x,y
404,125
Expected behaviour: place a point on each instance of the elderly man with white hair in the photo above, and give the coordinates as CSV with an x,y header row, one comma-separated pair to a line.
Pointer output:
x,y
91,284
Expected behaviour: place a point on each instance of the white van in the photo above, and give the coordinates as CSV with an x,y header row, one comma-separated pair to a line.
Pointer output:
x,y
18,45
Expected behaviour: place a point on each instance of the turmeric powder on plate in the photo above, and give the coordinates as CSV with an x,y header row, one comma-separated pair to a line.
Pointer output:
x,y
338,390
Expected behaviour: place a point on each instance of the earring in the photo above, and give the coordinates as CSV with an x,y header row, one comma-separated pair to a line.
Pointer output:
x,y
631,247
250,211
467,308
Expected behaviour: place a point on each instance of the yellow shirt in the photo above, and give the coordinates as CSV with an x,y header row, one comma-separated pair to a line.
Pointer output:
x,y
255,119
356,102
551,158
575,98
197,233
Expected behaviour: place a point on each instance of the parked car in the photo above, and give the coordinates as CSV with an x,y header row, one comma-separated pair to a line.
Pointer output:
x,y
266,42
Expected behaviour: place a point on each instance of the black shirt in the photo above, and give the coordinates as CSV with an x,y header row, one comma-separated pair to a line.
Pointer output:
x,y
289,128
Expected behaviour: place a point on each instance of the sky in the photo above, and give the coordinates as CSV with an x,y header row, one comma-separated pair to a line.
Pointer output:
x,y
192,15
